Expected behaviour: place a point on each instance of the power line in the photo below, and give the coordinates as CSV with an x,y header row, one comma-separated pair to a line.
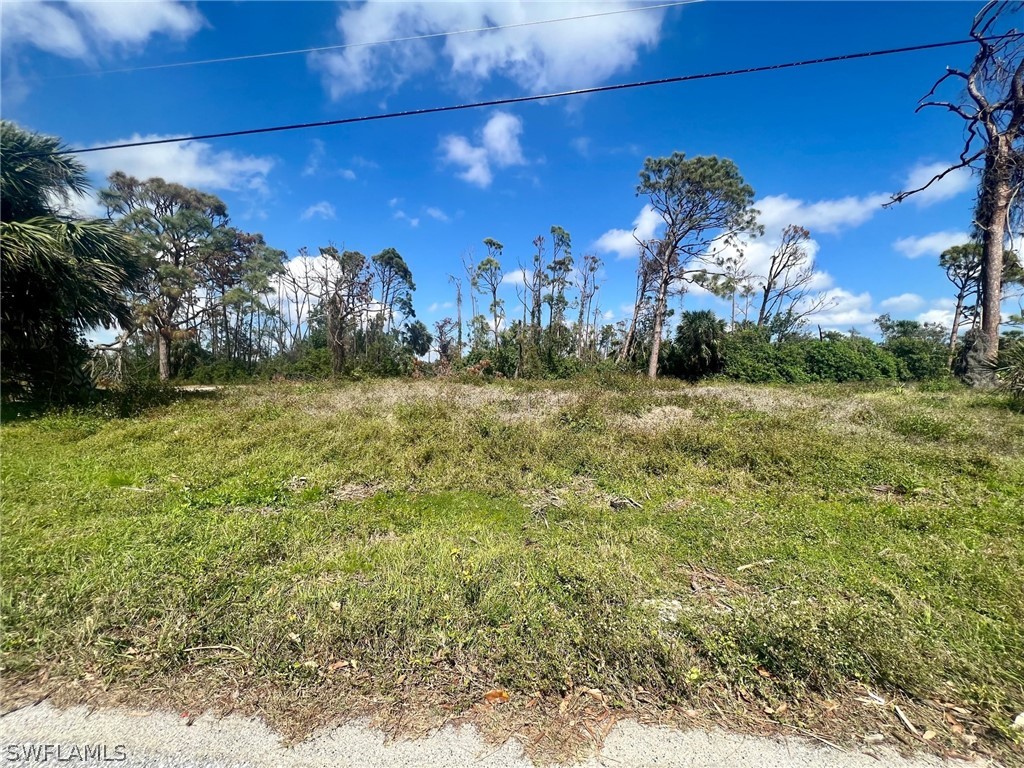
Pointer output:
x,y
536,97
344,46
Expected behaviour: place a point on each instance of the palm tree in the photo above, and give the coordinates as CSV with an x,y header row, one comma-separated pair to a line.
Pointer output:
x,y
61,274
697,351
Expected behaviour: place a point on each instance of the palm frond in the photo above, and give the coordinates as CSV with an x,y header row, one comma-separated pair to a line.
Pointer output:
x,y
34,171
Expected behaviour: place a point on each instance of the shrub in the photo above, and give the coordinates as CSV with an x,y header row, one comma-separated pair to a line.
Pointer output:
x,y
748,356
920,359
132,397
843,359
1011,370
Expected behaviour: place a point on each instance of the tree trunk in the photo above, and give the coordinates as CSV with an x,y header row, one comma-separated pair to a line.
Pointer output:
x,y
761,316
494,300
579,330
458,311
996,188
626,350
956,326
536,310
163,346
659,319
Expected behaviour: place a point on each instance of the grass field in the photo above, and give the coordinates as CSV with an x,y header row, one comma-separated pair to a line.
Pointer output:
x,y
751,555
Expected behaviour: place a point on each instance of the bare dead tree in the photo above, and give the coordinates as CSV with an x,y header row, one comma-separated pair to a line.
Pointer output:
x,y
644,273
347,293
457,282
992,107
787,289
295,289
585,281
536,283
445,344
469,265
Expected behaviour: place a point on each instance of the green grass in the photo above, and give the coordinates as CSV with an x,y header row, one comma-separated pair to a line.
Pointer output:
x,y
426,529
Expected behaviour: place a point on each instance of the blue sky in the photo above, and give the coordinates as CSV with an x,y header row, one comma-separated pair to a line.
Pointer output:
x,y
823,146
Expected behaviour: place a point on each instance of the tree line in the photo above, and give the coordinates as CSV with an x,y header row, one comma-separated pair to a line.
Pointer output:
x,y
191,296
195,298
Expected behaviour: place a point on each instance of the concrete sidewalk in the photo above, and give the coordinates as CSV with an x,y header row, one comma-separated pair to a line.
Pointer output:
x,y
162,740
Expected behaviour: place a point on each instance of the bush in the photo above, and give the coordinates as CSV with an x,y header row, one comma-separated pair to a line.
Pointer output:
x,y
1011,370
748,356
843,359
132,397
920,359
219,372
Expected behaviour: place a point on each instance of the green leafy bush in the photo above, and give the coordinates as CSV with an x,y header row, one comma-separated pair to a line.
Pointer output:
x,y
132,397
748,356
847,359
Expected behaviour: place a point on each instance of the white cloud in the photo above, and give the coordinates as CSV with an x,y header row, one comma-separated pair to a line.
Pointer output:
x,y
582,145
516,277
439,305
44,26
134,23
315,163
85,205
949,186
499,148
847,310
825,216
437,213
905,302
80,30
930,245
501,138
539,57
412,221
192,163
940,311
321,210
316,157
476,169
943,317
621,241
609,315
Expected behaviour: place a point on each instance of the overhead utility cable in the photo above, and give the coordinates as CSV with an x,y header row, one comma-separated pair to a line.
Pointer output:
x,y
535,97
344,46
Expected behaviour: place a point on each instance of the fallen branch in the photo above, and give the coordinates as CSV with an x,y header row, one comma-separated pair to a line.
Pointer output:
x,y
769,561
909,725
195,648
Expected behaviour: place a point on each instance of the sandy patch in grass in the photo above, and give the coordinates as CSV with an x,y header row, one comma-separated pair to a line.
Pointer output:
x,y
764,399
385,396
655,420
